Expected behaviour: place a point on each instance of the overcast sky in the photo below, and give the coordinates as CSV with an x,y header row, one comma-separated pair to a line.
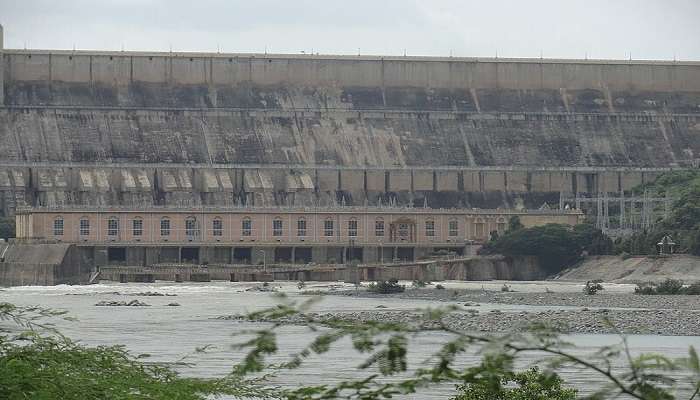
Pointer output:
x,y
648,29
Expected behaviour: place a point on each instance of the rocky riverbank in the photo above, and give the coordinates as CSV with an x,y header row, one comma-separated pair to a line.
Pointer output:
x,y
600,300
568,312
679,322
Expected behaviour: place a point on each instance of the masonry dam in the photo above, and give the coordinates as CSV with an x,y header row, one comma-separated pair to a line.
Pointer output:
x,y
169,129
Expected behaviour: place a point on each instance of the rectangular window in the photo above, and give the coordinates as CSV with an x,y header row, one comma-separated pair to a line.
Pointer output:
x,y
58,227
352,228
217,227
430,228
379,228
112,227
277,227
328,228
454,228
164,227
137,227
84,227
246,227
301,227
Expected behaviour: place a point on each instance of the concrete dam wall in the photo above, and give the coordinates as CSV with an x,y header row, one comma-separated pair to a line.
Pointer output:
x,y
182,129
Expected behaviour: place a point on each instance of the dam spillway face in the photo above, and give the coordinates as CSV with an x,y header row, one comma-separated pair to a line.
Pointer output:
x,y
191,129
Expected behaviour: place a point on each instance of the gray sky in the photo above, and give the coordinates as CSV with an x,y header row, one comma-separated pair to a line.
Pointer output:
x,y
649,29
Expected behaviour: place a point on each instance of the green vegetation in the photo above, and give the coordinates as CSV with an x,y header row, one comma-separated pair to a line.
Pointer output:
x,y
514,224
418,284
683,222
50,366
386,287
592,287
559,246
669,286
7,228
528,385
556,246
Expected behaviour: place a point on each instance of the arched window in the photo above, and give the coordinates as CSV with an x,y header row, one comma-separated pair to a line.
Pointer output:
x,y
191,228
277,226
301,227
137,226
328,228
479,230
501,225
246,227
112,226
430,228
165,226
58,226
217,227
403,231
352,227
453,228
84,227
379,227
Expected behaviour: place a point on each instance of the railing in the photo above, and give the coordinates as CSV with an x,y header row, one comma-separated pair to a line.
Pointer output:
x,y
160,165
293,209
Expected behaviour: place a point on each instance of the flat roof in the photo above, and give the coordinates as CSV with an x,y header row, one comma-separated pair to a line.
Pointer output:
x,y
346,57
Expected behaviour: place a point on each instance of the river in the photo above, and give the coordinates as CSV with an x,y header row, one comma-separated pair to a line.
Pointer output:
x,y
170,333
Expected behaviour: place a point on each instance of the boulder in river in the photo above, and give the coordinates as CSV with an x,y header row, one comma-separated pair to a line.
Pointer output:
x,y
114,303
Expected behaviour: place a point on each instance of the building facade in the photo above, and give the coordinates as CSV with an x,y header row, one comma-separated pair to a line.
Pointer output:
x,y
244,235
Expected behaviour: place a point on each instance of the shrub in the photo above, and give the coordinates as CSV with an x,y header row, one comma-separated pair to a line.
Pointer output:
x,y
592,288
556,246
531,384
514,224
645,288
386,287
693,289
670,286
667,287
419,284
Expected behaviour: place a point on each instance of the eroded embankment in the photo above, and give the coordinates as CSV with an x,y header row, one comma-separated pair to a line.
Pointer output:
x,y
635,269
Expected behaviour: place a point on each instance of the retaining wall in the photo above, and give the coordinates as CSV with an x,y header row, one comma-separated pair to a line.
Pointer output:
x,y
43,264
